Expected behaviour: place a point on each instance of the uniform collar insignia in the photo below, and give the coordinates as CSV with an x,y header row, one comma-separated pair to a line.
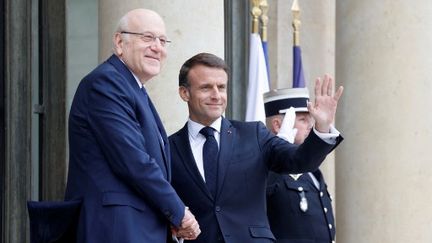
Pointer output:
x,y
295,176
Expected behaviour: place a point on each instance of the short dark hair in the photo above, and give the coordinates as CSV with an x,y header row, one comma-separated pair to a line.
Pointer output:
x,y
206,59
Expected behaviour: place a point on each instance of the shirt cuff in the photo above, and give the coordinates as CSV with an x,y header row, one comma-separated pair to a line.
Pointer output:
x,y
329,137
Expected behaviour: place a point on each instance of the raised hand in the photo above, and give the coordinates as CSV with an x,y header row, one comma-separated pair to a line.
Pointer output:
x,y
323,109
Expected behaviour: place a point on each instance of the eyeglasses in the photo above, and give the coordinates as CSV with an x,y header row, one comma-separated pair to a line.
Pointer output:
x,y
149,37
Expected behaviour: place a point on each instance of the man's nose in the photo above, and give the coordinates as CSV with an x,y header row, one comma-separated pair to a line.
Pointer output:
x,y
215,93
156,44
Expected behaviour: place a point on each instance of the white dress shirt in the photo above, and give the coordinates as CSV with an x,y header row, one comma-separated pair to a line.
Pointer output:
x,y
197,140
330,137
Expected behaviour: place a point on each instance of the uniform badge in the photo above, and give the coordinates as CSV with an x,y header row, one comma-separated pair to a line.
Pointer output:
x,y
295,176
303,202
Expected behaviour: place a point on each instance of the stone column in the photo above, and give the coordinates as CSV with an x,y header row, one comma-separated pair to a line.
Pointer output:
x,y
317,40
16,166
383,168
193,26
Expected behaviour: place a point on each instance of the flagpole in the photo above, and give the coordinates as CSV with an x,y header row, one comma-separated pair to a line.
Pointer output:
x,y
298,75
256,12
258,79
264,19
264,22
295,9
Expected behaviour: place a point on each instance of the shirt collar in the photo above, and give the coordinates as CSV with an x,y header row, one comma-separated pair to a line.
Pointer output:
x,y
194,128
136,78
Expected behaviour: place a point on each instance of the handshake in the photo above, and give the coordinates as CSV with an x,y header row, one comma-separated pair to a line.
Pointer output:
x,y
189,228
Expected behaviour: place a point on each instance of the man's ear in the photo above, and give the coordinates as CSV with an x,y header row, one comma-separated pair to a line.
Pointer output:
x,y
184,93
118,44
276,124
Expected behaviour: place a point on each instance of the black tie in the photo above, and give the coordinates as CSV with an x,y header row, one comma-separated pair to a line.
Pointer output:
x,y
210,158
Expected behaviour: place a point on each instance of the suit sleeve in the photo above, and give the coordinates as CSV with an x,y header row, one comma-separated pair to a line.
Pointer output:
x,y
282,156
112,118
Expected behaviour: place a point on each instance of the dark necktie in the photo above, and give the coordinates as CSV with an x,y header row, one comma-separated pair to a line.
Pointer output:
x,y
210,158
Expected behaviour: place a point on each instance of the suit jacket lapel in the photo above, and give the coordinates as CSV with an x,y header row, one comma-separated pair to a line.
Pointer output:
x,y
227,135
121,67
164,142
182,145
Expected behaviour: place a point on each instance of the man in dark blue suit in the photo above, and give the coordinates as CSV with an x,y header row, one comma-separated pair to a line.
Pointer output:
x,y
298,205
119,153
228,197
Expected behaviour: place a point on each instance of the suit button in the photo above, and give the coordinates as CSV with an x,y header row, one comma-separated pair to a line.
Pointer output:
x,y
321,194
330,226
300,189
217,209
325,210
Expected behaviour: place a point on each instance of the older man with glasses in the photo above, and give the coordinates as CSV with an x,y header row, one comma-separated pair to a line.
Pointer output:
x,y
119,153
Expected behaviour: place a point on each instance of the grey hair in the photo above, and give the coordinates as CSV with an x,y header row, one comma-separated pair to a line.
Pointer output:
x,y
122,25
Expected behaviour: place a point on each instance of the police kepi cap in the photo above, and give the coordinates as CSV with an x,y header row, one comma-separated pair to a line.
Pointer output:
x,y
277,101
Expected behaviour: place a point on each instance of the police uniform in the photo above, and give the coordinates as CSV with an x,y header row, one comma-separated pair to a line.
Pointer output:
x,y
298,211
298,205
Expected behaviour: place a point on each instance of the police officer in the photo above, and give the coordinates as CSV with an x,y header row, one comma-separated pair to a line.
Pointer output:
x,y
298,205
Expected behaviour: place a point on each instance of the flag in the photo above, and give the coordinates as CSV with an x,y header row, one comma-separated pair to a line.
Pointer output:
x,y
298,76
265,50
258,81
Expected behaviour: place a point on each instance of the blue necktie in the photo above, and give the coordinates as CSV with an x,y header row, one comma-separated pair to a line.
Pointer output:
x,y
210,158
